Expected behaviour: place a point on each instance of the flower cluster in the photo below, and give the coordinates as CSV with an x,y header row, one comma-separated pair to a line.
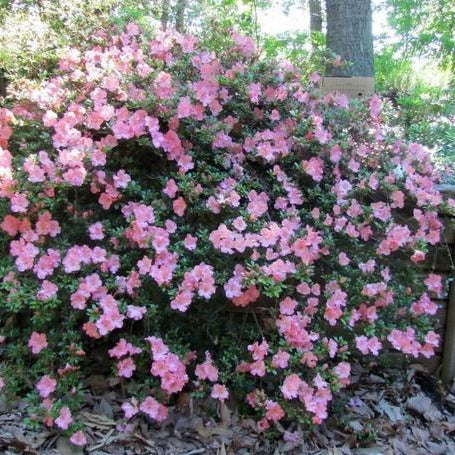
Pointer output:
x,y
153,188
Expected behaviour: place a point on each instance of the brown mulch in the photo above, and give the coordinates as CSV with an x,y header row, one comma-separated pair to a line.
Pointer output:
x,y
384,412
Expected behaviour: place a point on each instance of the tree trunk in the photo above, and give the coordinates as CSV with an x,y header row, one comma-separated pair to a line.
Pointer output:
x,y
315,22
164,14
315,16
349,35
180,15
3,83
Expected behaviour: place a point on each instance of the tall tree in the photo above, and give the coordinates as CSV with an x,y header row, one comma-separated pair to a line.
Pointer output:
x,y
426,27
315,16
315,22
180,15
164,14
349,35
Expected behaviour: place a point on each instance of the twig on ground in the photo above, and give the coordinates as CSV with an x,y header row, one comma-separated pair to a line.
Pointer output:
x,y
107,439
195,451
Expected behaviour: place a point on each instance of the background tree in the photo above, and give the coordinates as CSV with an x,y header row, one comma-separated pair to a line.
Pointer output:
x,y
164,14
315,16
426,28
315,7
415,70
180,15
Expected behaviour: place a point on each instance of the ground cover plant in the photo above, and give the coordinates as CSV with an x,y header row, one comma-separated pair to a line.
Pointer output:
x,y
208,222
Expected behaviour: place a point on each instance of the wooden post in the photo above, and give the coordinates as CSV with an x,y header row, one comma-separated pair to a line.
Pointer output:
x,y
448,355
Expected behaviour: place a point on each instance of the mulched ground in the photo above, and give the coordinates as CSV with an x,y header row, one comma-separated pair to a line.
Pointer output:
x,y
385,412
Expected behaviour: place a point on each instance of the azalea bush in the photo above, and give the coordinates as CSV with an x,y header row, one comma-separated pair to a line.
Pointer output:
x,y
206,222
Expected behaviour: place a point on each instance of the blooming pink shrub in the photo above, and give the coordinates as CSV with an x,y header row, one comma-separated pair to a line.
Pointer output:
x,y
154,186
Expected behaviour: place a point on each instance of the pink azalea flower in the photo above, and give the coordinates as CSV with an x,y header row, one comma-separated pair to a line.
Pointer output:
x,y
433,339
343,370
315,77
274,411
37,342
405,341
291,386
64,419
381,211
257,205
11,225
219,392
46,386
257,368
288,306
121,179
171,188
182,301
163,85
418,256
281,359
136,312
263,424
46,225
367,267
309,359
47,291
343,259
78,439
434,283
75,175
322,135
206,370
190,242
179,206
368,345
259,351
254,92
375,106
424,306
336,153
130,409
314,167
126,367
271,236
154,409
184,110
96,231
19,203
